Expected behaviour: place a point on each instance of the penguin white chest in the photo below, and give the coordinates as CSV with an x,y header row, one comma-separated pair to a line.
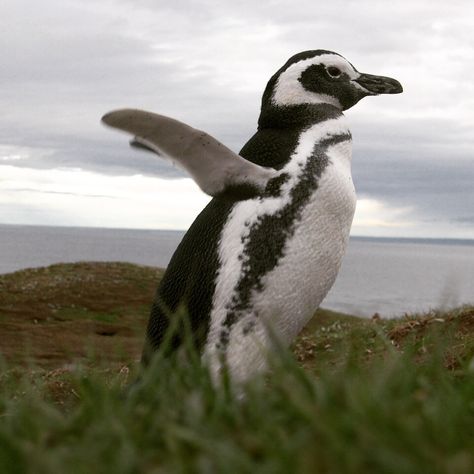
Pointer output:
x,y
294,289
279,255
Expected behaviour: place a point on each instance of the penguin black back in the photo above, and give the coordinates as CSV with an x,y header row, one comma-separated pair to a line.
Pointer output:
x,y
189,282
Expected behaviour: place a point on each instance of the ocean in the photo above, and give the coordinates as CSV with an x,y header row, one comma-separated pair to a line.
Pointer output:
x,y
385,276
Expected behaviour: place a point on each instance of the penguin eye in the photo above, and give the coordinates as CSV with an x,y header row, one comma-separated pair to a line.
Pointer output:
x,y
333,71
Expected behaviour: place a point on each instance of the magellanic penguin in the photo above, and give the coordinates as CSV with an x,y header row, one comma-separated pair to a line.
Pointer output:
x,y
259,259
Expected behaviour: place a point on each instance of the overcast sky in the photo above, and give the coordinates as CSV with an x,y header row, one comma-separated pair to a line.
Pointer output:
x,y
67,62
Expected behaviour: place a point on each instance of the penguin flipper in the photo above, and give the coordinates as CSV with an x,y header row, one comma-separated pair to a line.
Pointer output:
x,y
137,144
216,169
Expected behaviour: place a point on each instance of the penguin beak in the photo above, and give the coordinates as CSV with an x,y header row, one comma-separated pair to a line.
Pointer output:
x,y
375,85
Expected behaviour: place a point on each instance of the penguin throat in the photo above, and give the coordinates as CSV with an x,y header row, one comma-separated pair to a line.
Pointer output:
x,y
296,116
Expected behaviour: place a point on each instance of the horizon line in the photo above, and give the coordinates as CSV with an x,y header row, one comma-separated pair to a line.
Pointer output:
x,y
358,236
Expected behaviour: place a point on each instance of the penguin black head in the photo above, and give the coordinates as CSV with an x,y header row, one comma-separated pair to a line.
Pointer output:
x,y
323,77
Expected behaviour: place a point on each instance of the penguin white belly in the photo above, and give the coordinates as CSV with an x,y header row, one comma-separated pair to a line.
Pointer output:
x,y
308,269
285,297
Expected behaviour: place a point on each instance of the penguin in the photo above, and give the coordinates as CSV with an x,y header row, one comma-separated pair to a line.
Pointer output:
x,y
259,259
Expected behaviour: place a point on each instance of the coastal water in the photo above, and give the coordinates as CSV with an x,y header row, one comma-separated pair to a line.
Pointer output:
x,y
387,276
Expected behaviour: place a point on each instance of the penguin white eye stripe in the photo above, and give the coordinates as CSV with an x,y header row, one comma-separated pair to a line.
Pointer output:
x,y
289,91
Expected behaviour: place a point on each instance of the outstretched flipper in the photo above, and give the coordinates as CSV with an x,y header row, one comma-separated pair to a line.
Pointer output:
x,y
216,169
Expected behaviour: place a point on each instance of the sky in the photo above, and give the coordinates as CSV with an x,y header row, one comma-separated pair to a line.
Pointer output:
x,y
67,62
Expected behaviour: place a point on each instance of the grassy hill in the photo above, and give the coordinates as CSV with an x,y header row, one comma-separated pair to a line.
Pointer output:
x,y
62,313
356,395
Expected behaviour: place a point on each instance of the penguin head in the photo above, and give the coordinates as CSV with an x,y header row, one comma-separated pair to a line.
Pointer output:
x,y
323,77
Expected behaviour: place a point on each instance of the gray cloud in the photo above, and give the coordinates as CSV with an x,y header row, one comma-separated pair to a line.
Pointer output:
x,y
207,64
64,193
465,220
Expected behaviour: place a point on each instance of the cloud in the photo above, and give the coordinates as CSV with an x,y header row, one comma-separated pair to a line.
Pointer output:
x,y
30,196
464,220
64,193
92,199
371,214
207,63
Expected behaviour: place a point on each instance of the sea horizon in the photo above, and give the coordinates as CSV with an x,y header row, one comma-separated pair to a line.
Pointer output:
x,y
367,238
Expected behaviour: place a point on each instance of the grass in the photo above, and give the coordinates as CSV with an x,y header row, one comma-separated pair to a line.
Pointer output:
x,y
353,396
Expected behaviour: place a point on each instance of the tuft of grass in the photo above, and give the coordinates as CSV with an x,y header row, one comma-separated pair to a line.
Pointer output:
x,y
330,338
397,413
